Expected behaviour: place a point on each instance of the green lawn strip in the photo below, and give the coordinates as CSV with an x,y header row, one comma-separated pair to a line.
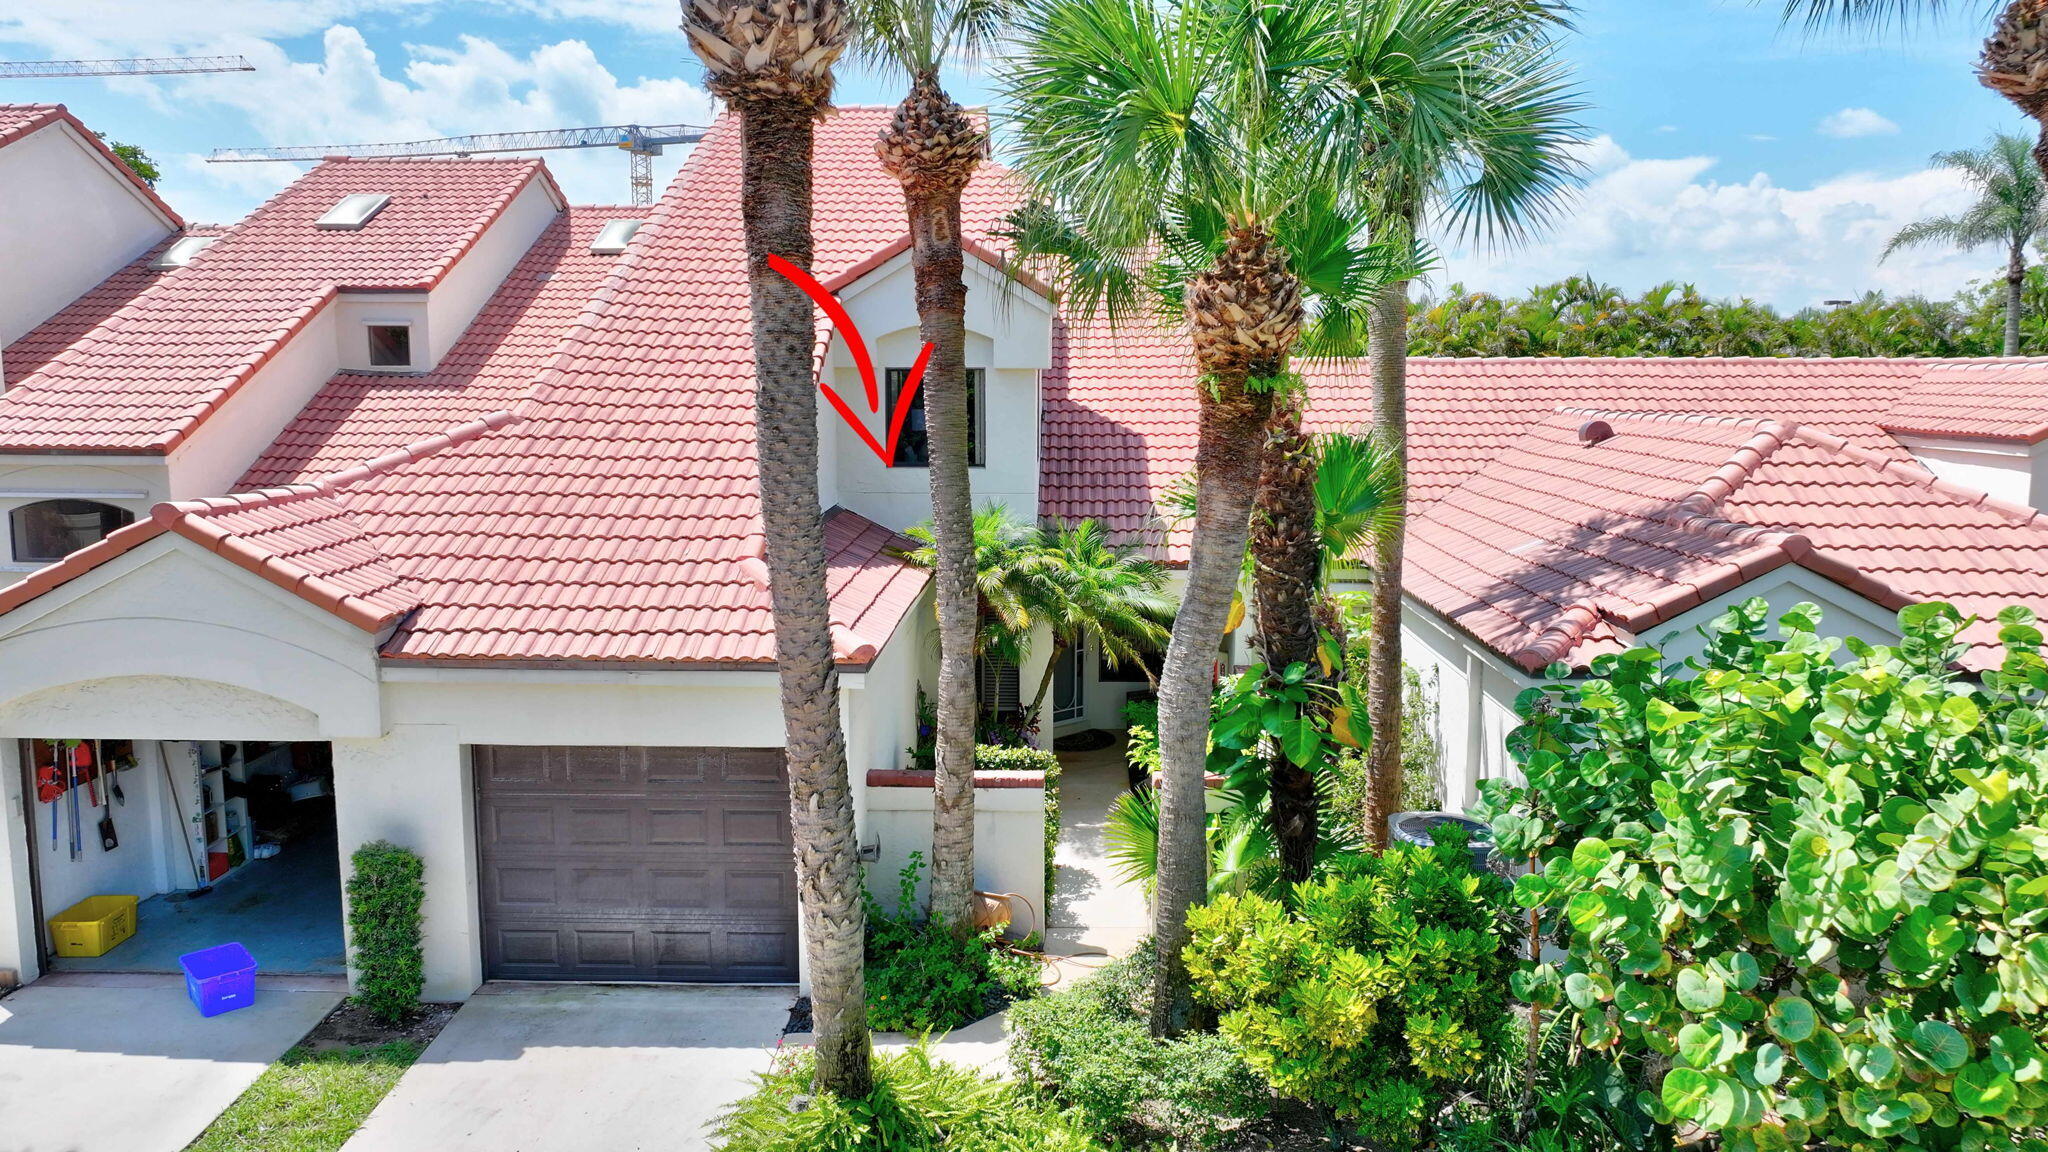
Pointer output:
x,y
309,1101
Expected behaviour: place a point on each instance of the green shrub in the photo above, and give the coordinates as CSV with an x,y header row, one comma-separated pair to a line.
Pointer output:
x,y
385,888
1803,887
918,1105
1383,990
1557,1098
921,978
1089,1049
1141,740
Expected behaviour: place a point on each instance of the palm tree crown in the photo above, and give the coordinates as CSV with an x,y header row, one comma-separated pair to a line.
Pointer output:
x,y
2011,206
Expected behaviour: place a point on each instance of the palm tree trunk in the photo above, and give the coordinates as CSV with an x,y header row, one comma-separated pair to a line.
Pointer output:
x,y
1286,567
1387,335
1059,649
2015,284
933,148
1227,471
776,158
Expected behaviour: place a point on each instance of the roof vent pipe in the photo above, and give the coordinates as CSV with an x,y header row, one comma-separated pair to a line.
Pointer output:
x,y
1594,431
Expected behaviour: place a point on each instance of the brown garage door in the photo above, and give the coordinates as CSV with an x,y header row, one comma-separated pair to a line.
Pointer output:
x,y
636,864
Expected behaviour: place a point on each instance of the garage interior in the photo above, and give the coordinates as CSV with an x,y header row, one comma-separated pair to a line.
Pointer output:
x,y
218,841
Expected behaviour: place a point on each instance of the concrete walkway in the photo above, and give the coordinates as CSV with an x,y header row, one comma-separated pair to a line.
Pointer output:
x,y
1094,913
581,1068
124,1063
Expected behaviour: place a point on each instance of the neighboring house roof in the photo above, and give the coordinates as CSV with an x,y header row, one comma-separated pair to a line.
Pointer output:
x,y
361,416
1988,399
144,378
1565,544
19,121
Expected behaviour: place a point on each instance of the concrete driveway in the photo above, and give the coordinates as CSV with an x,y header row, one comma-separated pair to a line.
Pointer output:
x,y
109,1063
536,1068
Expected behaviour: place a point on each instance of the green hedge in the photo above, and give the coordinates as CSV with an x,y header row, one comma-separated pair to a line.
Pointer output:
x,y
990,758
384,894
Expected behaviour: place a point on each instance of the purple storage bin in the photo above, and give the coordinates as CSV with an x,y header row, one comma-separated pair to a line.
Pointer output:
x,y
220,979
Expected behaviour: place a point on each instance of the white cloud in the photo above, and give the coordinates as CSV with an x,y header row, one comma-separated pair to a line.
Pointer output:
x,y
95,28
1641,221
1850,123
347,97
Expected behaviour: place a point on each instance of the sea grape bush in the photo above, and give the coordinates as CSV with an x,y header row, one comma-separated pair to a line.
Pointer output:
x,y
1377,994
1800,880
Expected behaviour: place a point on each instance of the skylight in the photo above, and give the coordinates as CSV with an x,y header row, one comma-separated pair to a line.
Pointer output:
x,y
612,240
181,252
353,211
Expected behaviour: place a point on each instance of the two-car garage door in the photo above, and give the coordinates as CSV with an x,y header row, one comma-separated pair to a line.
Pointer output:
x,y
636,864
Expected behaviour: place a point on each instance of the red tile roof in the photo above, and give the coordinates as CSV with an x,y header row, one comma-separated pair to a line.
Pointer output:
x,y
601,503
1987,399
1560,549
144,378
1120,411
361,416
40,345
19,121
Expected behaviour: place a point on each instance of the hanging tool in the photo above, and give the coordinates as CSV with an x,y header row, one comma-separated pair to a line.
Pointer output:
x,y
201,887
50,786
77,838
108,840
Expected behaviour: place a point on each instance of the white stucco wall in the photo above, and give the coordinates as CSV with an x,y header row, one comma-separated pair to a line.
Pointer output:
x,y
1009,338
1009,844
17,905
469,285
70,220
215,455
2006,469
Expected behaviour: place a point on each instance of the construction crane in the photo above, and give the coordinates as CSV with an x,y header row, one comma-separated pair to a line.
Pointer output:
x,y
642,142
139,66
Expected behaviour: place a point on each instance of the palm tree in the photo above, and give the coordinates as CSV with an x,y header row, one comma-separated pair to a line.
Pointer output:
x,y
2011,209
1003,612
1164,140
1462,109
932,147
772,64
1082,583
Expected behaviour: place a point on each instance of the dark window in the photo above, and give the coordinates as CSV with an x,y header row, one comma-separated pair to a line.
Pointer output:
x,y
1132,671
913,449
1001,689
390,346
55,529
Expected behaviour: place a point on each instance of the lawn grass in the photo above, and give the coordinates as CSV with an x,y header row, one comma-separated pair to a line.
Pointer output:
x,y
309,1101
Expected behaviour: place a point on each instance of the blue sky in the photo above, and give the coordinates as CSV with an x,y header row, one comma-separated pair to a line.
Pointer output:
x,y
1745,157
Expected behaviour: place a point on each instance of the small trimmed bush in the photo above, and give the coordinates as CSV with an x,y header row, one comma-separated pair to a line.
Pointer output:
x,y
385,889
1088,1048
921,978
1141,740
918,1105
1377,995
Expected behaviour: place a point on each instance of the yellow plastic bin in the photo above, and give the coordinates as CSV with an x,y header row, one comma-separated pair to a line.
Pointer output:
x,y
93,926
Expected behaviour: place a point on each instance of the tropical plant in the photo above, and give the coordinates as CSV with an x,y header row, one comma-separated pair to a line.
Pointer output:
x,y
386,886
772,65
1462,109
137,160
1002,541
932,146
1546,1093
2011,210
1163,145
1087,1049
917,1104
1798,881
922,977
1380,993
1080,582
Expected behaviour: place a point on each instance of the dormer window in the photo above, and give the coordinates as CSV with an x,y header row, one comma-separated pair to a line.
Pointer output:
x,y
353,211
181,252
913,449
613,238
53,529
390,345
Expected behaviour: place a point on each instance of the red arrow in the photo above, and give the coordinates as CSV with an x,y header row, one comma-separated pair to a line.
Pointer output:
x,y
858,348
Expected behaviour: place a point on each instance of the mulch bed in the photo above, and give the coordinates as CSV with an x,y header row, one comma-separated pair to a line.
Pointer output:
x,y
349,1026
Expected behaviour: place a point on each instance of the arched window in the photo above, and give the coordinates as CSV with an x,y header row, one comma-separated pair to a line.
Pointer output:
x,y
53,529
